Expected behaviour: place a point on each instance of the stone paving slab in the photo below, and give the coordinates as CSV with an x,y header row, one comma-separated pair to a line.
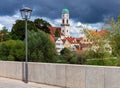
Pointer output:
x,y
11,83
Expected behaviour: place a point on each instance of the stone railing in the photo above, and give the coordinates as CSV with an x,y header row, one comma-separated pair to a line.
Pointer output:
x,y
64,75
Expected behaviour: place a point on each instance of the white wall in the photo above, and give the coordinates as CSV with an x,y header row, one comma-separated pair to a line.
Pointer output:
x,y
59,45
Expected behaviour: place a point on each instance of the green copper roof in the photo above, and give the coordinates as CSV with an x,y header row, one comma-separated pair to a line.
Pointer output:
x,y
65,11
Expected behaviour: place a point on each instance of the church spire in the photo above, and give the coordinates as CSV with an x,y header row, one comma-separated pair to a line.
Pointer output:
x,y
65,23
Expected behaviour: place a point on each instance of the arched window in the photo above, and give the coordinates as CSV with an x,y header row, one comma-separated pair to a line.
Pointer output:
x,y
67,21
63,21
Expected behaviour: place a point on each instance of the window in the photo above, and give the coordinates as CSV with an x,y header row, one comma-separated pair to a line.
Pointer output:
x,y
87,40
57,43
67,21
63,21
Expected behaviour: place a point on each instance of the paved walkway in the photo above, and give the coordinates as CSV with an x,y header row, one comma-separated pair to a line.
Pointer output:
x,y
10,83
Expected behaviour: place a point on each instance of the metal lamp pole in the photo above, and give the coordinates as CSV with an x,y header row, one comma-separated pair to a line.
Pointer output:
x,y
26,52
26,13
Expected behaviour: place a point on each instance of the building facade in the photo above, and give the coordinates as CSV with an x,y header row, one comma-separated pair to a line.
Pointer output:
x,y
65,26
59,45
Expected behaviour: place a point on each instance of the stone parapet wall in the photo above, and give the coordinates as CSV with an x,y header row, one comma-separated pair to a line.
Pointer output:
x,y
64,75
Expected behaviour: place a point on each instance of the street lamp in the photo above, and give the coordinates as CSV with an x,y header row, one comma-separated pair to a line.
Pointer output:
x,y
26,13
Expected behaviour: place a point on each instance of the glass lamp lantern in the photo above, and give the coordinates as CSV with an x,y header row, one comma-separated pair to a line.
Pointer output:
x,y
26,13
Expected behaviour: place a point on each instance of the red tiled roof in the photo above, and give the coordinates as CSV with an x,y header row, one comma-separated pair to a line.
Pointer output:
x,y
84,45
53,29
79,38
70,39
63,41
96,32
102,32
52,38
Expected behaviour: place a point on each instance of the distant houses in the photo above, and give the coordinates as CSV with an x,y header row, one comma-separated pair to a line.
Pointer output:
x,y
65,40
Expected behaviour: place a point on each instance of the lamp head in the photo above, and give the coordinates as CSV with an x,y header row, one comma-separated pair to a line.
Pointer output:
x,y
26,13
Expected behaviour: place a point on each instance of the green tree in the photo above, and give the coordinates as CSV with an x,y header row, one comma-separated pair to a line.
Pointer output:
x,y
78,58
66,55
4,34
42,25
12,50
7,37
114,37
57,33
100,45
41,47
18,29
4,30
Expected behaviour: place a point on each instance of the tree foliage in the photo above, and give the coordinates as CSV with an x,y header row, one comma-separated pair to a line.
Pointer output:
x,y
66,54
42,25
41,47
4,30
100,46
18,29
4,34
12,50
111,37
114,37
57,33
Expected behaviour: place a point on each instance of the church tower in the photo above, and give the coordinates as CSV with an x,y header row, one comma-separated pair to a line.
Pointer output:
x,y
65,26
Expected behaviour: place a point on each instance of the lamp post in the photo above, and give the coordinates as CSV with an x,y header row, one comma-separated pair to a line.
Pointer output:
x,y
26,14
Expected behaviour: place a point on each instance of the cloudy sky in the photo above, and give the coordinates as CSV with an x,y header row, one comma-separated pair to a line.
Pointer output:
x,y
90,12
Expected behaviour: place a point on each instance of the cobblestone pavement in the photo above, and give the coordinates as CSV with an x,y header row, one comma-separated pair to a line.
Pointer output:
x,y
10,83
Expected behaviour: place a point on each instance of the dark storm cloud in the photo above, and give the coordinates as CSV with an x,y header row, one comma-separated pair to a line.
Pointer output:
x,y
88,11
